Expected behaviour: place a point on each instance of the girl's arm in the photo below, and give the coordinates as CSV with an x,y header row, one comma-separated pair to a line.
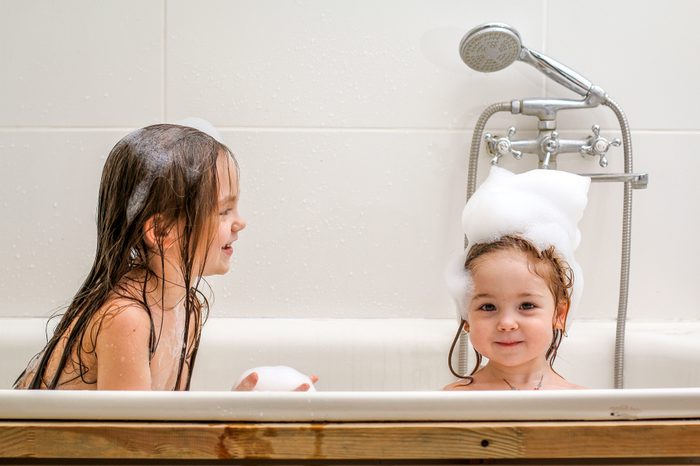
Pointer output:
x,y
122,350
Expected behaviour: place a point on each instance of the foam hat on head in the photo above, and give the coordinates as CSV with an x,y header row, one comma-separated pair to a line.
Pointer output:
x,y
541,206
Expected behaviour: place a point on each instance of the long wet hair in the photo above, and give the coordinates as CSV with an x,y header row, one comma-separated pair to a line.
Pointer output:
x,y
166,174
547,264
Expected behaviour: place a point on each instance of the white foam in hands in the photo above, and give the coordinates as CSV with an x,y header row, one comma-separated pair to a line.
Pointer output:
x,y
278,379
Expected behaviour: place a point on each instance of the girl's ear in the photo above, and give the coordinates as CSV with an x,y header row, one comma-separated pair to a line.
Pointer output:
x,y
155,232
560,314
466,326
149,232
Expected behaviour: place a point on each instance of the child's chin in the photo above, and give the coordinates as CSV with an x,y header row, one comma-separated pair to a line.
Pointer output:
x,y
217,270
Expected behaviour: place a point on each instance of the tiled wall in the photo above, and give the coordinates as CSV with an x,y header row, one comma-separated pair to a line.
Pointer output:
x,y
351,121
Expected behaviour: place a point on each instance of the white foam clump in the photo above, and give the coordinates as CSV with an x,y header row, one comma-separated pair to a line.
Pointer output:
x,y
278,379
202,125
542,206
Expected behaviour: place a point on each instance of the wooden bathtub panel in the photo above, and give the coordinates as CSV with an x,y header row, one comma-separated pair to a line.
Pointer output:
x,y
351,441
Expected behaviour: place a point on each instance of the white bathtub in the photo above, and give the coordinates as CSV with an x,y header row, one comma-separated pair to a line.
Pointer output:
x,y
378,399
396,354
365,365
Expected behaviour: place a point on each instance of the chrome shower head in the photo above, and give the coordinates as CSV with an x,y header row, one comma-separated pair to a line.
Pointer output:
x,y
490,47
493,46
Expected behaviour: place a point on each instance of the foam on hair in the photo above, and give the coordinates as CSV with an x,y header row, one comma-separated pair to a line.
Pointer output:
x,y
541,206
155,164
156,159
202,125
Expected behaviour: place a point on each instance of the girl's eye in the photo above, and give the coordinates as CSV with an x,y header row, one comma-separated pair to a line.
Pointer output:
x,y
487,307
225,212
527,306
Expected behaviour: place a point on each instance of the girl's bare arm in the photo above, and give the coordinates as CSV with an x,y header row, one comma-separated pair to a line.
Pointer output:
x,y
122,350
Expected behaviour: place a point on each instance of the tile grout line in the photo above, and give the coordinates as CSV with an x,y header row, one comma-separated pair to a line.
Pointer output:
x,y
325,130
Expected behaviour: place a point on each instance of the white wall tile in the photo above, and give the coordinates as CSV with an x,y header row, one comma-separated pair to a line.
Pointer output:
x,y
644,56
664,217
48,193
352,122
665,249
80,63
345,223
337,64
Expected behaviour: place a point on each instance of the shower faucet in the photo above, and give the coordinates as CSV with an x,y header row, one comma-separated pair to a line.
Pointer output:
x,y
548,145
494,46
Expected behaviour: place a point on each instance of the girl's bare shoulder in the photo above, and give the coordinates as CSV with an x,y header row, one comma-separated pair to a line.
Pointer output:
x,y
459,385
121,316
566,385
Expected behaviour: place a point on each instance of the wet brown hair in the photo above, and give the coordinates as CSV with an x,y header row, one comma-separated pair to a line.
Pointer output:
x,y
166,174
547,264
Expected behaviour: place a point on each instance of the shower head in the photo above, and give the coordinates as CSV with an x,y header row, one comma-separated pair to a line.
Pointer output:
x,y
490,47
493,46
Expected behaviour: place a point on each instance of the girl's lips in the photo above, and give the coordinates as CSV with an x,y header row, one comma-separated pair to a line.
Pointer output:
x,y
228,249
508,343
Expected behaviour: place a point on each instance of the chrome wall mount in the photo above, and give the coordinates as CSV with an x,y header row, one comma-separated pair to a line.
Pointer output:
x,y
494,46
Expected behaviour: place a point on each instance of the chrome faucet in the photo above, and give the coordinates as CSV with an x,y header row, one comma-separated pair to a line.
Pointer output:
x,y
548,145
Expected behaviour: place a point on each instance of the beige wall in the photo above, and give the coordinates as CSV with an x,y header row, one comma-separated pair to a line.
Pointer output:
x,y
351,121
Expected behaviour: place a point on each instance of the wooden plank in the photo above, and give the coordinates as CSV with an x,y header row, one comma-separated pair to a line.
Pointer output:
x,y
344,441
631,439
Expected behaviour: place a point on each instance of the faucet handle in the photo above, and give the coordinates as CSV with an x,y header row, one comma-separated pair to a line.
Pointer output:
x,y
597,145
500,146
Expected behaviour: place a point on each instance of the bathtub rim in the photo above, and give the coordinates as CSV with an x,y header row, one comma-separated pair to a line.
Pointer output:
x,y
414,406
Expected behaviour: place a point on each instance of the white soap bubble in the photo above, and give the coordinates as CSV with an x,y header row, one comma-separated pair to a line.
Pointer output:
x,y
278,379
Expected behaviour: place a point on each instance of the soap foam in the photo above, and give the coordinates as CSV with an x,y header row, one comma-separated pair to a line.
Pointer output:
x,y
278,379
542,206
156,158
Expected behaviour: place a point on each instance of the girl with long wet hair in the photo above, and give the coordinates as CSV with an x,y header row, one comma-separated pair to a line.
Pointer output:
x,y
167,217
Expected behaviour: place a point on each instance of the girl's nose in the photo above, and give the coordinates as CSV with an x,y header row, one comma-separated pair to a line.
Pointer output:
x,y
238,224
507,322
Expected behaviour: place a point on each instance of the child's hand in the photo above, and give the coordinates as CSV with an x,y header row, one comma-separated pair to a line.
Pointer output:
x,y
248,383
305,387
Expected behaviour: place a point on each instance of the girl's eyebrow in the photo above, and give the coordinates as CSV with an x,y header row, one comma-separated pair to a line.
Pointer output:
x,y
531,294
521,295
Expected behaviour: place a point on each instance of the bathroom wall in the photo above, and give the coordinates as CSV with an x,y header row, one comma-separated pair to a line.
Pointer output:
x,y
351,121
